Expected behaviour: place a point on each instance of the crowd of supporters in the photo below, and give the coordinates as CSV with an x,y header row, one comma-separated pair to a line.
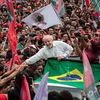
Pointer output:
x,y
80,28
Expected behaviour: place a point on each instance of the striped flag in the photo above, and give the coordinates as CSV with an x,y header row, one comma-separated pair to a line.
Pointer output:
x,y
96,5
89,83
25,92
59,7
13,43
12,34
42,91
11,9
85,3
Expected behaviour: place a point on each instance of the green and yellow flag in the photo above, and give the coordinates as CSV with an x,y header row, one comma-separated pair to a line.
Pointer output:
x,y
68,72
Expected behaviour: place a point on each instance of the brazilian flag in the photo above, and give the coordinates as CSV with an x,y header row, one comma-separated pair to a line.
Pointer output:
x,y
68,72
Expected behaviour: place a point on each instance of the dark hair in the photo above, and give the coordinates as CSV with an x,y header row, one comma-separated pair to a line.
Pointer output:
x,y
86,98
54,95
32,34
22,38
76,98
77,34
26,53
15,93
1,67
66,95
8,55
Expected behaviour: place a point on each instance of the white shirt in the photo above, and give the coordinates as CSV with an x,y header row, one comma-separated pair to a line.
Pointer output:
x,y
59,48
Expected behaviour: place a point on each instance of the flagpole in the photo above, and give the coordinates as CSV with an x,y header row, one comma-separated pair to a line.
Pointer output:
x,y
12,61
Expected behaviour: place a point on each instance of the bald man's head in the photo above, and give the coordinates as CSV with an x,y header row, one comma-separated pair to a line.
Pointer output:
x,y
48,40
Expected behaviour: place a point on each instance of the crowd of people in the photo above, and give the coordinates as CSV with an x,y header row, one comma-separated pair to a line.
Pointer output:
x,y
80,30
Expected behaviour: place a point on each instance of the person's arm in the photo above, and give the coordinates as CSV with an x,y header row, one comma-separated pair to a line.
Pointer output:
x,y
39,55
12,75
7,73
77,48
68,49
31,60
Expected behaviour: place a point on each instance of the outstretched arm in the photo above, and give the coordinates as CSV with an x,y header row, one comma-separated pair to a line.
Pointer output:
x,y
13,74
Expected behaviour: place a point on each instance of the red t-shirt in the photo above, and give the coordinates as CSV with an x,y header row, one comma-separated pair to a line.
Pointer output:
x,y
93,52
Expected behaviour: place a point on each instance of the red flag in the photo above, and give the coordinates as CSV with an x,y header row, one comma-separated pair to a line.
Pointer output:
x,y
25,93
2,1
12,38
58,6
13,42
11,8
88,75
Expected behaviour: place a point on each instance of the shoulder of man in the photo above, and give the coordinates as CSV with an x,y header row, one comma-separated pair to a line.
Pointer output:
x,y
57,41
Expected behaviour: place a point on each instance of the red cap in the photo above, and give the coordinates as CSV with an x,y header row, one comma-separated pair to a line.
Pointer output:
x,y
19,25
5,24
19,6
95,14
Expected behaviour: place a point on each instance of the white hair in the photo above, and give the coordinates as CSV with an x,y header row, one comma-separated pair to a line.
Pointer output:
x,y
46,37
